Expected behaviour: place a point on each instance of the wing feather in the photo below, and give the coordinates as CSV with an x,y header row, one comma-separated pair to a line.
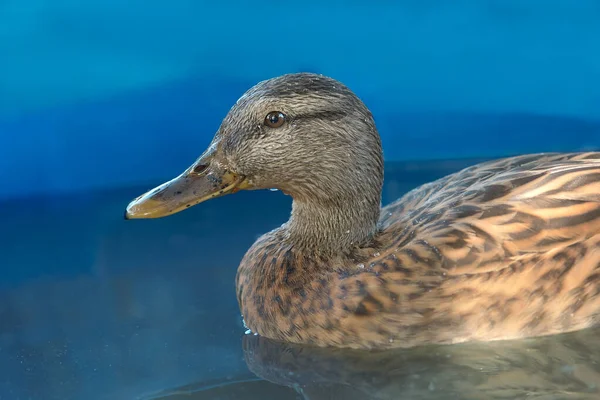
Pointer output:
x,y
485,216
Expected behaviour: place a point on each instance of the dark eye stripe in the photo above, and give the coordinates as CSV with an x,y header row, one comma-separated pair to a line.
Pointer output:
x,y
326,115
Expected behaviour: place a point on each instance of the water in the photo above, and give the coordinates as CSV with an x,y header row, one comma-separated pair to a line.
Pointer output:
x,y
95,307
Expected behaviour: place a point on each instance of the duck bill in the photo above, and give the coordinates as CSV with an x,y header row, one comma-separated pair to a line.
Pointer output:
x,y
198,183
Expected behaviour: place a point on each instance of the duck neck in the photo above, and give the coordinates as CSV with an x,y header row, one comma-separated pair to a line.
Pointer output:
x,y
333,229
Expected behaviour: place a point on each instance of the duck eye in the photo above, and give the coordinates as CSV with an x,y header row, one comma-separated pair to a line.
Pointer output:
x,y
274,119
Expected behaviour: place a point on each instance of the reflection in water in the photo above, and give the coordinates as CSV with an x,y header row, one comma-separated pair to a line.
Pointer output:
x,y
550,368
557,367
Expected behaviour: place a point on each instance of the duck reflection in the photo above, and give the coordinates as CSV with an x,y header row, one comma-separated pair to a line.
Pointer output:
x,y
559,367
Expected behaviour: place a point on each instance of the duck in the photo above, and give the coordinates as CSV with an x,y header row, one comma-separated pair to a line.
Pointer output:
x,y
504,249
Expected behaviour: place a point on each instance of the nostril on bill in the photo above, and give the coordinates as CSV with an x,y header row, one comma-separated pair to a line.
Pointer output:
x,y
200,168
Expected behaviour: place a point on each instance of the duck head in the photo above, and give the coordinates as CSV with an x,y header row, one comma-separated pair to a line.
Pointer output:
x,y
305,134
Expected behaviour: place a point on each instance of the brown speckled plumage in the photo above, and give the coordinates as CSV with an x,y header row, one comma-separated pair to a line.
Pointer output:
x,y
505,249
501,250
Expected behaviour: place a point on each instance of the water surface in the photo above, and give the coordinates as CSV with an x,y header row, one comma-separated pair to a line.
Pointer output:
x,y
95,307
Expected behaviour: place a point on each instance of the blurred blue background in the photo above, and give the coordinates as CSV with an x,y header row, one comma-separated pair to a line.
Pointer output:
x,y
101,100
109,93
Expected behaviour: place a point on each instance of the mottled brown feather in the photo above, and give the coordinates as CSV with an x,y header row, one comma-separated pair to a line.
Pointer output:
x,y
502,250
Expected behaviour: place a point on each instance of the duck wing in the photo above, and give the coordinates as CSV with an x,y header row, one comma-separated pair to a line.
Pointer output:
x,y
481,218
504,249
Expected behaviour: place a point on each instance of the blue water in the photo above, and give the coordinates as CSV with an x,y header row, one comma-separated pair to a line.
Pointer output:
x,y
95,307
103,99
